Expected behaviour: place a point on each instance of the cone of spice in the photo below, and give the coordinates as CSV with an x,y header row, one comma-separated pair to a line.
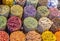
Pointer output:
x,y
20,2
4,36
43,2
14,23
4,10
16,10
17,36
8,2
56,26
45,23
30,24
52,3
48,36
3,22
33,36
29,11
42,11
57,34
54,12
32,2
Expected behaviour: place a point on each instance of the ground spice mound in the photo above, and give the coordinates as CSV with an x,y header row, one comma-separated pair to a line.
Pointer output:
x,y
48,36
14,23
54,12
57,34
29,11
33,36
4,36
17,36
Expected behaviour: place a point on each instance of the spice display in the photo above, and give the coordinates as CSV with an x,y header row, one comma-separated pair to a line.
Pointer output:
x,y
17,10
48,36
14,23
45,23
57,34
29,11
4,36
33,36
3,22
4,10
29,20
30,23
43,2
8,2
54,12
32,2
52,3
42,11
20,2
17,36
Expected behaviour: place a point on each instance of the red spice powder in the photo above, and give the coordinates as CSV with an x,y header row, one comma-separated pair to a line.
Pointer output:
x,y
14,23
4,36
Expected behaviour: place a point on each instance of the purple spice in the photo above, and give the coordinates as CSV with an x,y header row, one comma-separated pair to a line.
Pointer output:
x,y
29,11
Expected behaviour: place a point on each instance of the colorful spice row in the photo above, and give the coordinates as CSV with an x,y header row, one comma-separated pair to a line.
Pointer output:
x,y
41,20
43,11
17,11
29,11
35,3
30,36
15,23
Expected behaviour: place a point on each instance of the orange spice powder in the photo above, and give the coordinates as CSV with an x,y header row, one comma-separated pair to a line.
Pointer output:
x,y
57,34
